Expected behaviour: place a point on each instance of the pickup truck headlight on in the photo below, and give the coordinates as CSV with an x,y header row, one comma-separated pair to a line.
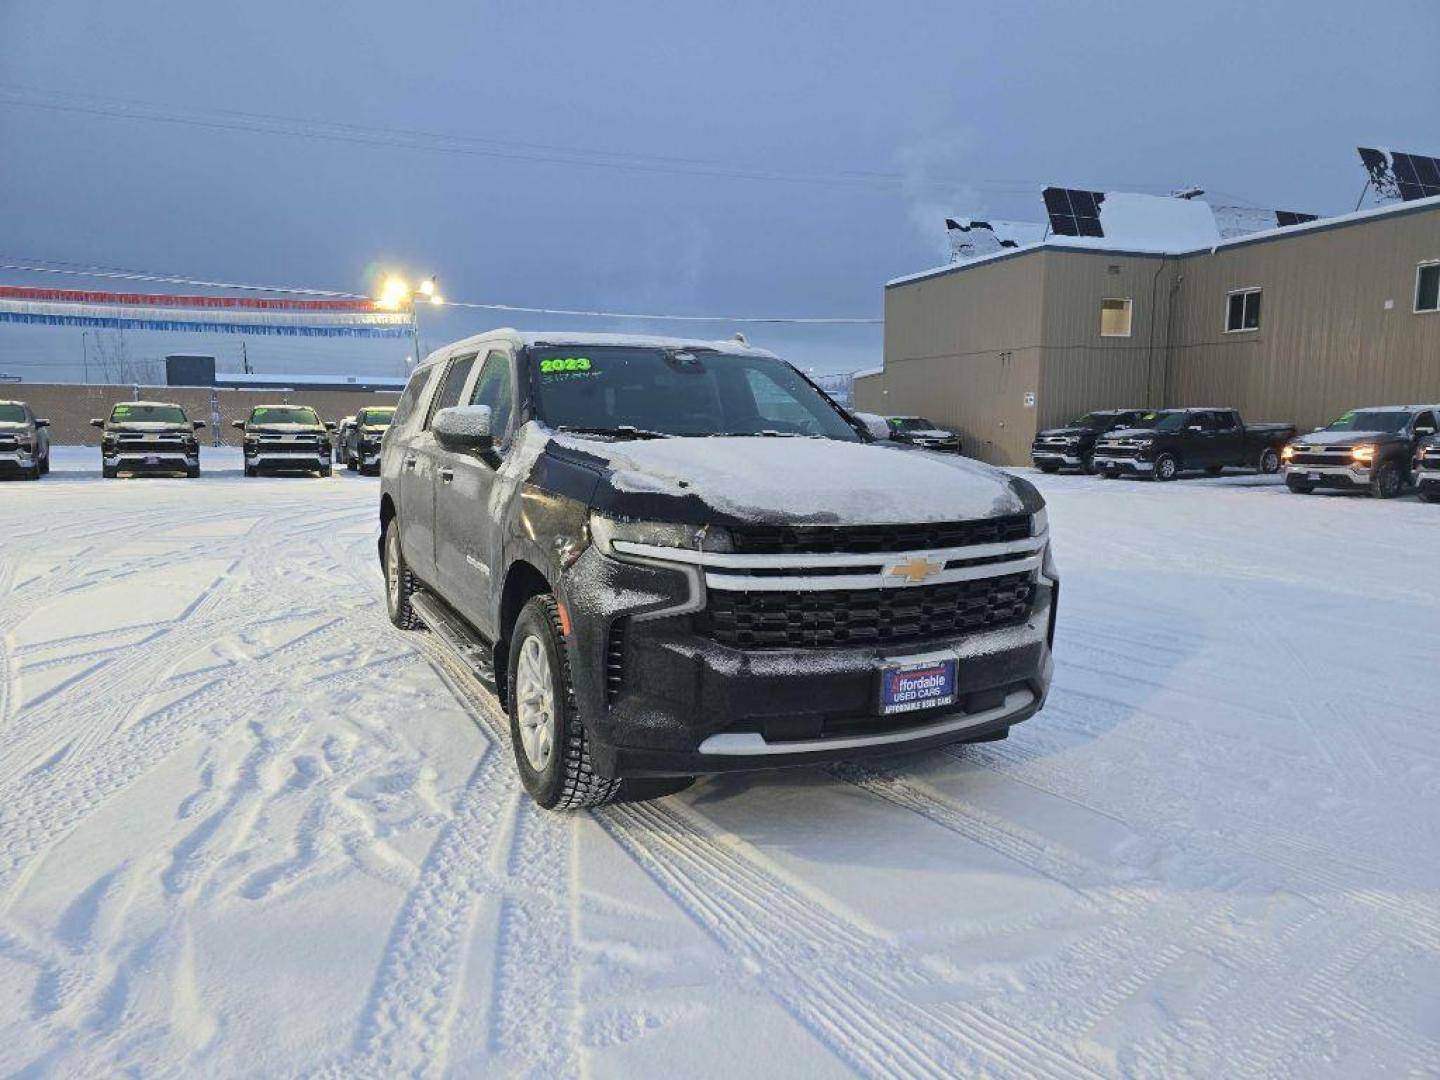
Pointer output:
x,y
1363,454
1287,453
607,532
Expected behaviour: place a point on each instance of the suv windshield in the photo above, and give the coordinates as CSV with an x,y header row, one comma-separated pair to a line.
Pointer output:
x,y
910,423
1096,421
272,414
147,414
1370,420
638,392
375,417
13,414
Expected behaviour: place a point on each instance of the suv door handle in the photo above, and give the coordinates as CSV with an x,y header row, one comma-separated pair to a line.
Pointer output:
x,y
446,475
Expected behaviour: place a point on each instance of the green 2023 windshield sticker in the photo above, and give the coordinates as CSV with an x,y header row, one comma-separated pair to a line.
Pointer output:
x,y
566,367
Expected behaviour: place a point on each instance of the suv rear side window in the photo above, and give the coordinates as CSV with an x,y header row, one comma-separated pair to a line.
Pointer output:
x,y
410,398
494,388
456,376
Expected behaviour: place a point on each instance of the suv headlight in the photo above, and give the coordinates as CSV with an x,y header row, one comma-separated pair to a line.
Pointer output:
x,y
1040,522
607,532
1364,453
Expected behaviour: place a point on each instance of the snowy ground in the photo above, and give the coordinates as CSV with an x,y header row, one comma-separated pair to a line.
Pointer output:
x,y
247,827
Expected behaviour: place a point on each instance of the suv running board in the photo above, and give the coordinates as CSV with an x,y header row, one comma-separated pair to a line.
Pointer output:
x,y
467,646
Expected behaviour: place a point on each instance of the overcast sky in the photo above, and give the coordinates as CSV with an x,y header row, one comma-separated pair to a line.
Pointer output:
x,y
744,157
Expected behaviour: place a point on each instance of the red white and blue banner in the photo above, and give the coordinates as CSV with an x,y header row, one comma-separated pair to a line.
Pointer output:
x,y
200,314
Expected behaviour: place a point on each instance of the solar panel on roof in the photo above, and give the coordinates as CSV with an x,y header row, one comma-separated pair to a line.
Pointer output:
x,y
1073,212
1403,176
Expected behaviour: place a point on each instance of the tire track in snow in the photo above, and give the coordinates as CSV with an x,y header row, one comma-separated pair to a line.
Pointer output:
x,y
407,1024
857,993
45,804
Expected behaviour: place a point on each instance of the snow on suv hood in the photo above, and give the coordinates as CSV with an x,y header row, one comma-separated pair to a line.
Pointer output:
x,y
820,481
14,425
283,429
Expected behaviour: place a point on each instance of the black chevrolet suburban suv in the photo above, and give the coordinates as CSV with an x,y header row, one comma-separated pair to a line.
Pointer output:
x,y
1370,450
1073,446
24,441
148,436
679,557
286,438
1172,441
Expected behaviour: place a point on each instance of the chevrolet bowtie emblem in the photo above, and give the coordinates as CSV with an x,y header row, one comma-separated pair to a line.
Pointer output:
x,y
917,569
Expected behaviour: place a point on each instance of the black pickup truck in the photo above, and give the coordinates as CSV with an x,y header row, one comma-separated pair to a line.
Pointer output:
x,y
1179,440
1073,446
24,441
680,557
148,436
286,438
1370,450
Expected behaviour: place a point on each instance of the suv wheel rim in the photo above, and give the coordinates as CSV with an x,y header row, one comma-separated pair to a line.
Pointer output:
x,y
535,703
392,567
1270,462
1167,467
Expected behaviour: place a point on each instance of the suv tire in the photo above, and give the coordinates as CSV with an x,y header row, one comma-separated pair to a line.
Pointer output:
x,y
1167,467
350,462
399,581
1427,493
1049,468
252,470
1298,486
1387,481
109,472
552,752
192,471
1269,461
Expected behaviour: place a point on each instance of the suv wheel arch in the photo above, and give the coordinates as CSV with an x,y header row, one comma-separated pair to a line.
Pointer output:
x,y
522,581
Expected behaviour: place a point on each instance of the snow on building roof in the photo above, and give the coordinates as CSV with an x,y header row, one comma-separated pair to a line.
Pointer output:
x,y
865,373
1118,247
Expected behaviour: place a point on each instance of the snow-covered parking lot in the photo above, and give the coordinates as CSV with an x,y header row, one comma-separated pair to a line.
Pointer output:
x,y
246,827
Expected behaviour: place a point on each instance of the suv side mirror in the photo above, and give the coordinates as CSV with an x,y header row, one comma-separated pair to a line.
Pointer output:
x,y
1421,432
198,424
463,427
238,425
329,426
42,423
97,422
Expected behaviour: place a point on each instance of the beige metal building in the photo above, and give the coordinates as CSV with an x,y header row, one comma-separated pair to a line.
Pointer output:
x,y
1299,324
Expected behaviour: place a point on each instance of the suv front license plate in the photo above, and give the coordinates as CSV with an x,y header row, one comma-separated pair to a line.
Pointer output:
x,y
923,682
152,459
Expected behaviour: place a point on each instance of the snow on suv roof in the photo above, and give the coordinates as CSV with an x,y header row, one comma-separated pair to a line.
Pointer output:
x,y
572,337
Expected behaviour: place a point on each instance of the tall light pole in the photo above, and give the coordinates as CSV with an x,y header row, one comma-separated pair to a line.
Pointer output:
x,y
397,293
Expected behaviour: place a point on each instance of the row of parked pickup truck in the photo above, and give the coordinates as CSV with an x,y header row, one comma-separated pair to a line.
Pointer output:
x,y
159,437
1381,450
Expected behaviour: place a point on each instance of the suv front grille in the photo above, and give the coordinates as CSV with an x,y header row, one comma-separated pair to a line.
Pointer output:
x,y
860,539
806,619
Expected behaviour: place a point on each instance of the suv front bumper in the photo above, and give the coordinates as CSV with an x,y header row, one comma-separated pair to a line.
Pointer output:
x,y
661,699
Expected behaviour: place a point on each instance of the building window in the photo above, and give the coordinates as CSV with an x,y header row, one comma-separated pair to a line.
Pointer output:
x,y
1427,287
1242,311
1115,318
